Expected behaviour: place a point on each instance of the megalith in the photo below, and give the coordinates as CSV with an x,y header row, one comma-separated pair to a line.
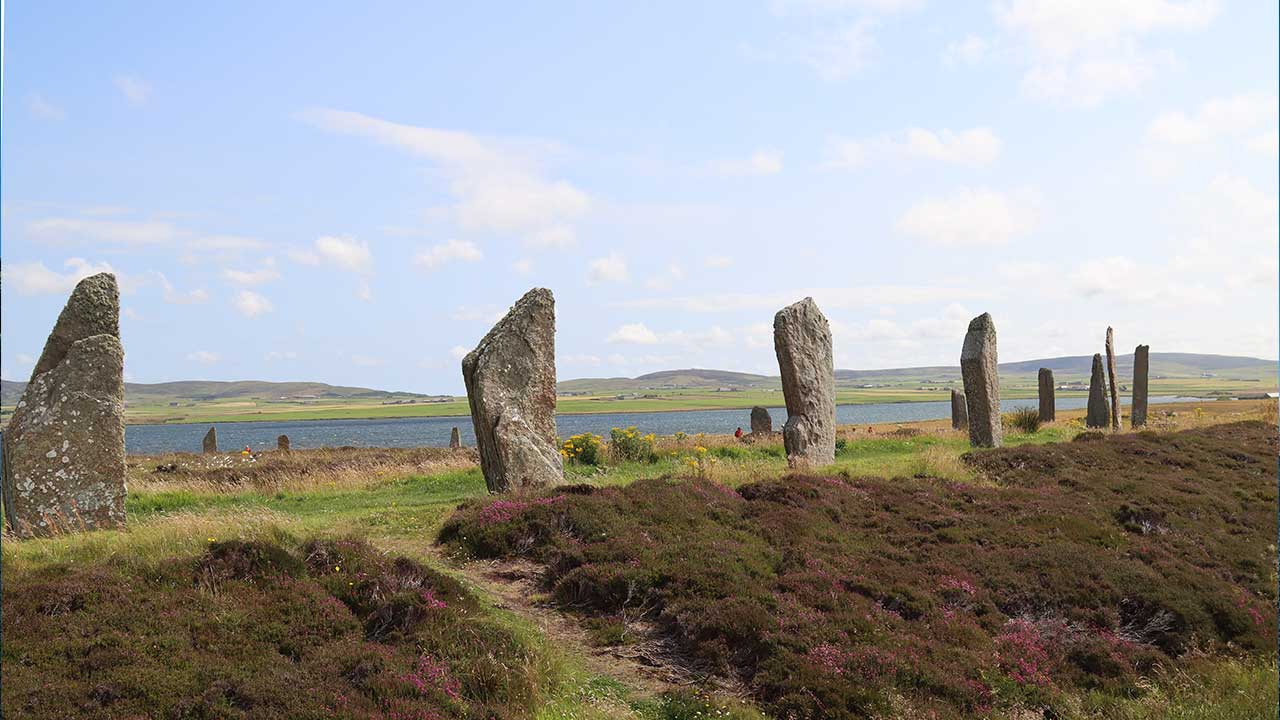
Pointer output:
x,y
511,386
978,368
210,442
1141,365
64,463
1111,380
455,439
1048,406
802,342
959,414
1097,415
761,422
282,443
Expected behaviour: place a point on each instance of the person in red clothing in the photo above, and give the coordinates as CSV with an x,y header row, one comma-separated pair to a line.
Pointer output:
x,y
738,433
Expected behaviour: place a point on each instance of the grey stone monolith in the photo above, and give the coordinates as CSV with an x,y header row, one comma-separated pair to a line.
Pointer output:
x,y
455,439
761,422
511,386
1112,382
282,443
1048,407
64,467
978,367
959,414
1141,363
1098,415
210,442
802,342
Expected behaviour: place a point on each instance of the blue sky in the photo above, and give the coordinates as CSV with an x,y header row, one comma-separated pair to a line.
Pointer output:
x,y
299,192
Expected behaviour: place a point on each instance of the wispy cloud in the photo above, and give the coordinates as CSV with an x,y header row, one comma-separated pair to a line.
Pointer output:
x,y
449,251
42,109
970,217
251,304
135,89
36,279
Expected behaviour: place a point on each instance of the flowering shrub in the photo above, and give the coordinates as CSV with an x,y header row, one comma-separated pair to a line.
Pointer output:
x,y
583,449
629,444
701,463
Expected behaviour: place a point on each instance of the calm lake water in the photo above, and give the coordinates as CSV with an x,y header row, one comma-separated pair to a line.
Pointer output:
x,y
434,432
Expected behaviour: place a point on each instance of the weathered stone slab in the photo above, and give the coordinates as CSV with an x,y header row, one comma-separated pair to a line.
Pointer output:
x,y
64,463
511,386
1111,380
761,422
802,342
282,443
1141,365
1098,415
959,413
210,442
455,439
978,361
1048,399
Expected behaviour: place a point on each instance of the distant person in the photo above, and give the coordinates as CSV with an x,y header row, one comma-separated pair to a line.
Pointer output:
x,y
738,433
246,451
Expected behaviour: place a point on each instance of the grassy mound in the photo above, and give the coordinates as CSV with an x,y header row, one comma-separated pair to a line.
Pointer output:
x,y
1080,569
332,629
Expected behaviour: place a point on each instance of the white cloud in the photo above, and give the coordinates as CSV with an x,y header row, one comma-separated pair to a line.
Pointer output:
x,y
845,153
835,54
970,217
828,298
970,50
761,162
135,89
103,231
251,304
1267,144
610,269
1219,117
342,252
204,357
365,360
634,333
457,352
822,7
497,185
481,313
43,109
1088,82
173,296
666,280
36,279
364,291
449,251
523,266
559,237
1113,278
226,243
303,257
588,360
718,261
975,147
258,276
278,355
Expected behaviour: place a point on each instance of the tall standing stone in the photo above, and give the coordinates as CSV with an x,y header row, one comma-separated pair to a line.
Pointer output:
x,y
64,446
978,367
210,442
1111,380
761,422
511,386
1098,415
455,439
1141,363
959,414
1048,403
802,342
282,443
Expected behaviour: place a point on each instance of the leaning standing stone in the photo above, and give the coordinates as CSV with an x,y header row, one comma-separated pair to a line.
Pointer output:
x,y
64,446
1048,408
282,443
210,443
1111,380
1141,362
761,422
959,415
802,342
1098,415
455,439
511,386
978,367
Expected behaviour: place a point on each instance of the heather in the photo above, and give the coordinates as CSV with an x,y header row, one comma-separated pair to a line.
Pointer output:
x,y
1061,583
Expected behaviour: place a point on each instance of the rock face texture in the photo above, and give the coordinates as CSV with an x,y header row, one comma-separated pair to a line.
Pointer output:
x,y
282,443
802,341
511,385
1141,364
761,422
64,446
982,382
1098,415
210,443
1048,402
959,413
1111,380
455,439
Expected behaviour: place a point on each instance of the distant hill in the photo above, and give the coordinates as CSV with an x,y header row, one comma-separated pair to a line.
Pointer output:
x,y
207,390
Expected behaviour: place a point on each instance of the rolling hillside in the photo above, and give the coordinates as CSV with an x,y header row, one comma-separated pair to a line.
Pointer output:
x,y
208,390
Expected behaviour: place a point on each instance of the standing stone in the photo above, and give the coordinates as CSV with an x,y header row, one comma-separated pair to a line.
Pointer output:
x,y
1111,380
64,446
282,443
210,443
761,422
455,439
1098,415
1141,363
978,363
802,342
959,414
1048,406
511,386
